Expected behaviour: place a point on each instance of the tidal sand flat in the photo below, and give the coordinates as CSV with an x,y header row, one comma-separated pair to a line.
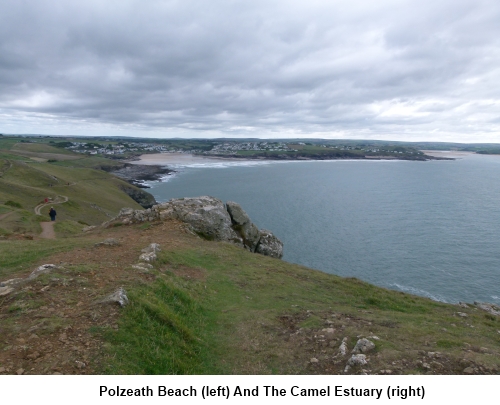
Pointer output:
x,y
454,154
177,159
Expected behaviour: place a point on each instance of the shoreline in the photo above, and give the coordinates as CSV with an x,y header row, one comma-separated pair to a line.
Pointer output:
x,y
155,166
164,159
137,173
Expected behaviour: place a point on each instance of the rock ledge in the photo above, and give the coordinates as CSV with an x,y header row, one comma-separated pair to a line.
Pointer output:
x,y
210,218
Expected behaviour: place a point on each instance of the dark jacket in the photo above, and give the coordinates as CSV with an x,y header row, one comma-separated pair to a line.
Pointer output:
x,y
52,213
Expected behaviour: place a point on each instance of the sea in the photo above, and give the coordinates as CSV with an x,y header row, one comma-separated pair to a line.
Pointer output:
x,y
427,228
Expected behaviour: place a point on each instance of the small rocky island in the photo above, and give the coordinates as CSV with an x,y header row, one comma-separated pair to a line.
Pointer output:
x,y
211,219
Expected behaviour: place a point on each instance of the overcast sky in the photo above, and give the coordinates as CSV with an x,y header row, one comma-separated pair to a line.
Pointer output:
x,y
360,69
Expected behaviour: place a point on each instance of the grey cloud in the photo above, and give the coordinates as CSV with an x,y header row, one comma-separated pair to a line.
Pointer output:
x,y
225,68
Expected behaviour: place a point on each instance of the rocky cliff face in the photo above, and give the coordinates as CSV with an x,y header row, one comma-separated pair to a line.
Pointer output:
x,y
211,219
139,196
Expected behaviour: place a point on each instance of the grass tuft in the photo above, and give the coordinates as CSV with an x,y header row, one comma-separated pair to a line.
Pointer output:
x,y
173,344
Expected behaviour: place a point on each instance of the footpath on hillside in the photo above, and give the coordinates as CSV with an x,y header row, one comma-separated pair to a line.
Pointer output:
x,y
60,199
47,230
48,227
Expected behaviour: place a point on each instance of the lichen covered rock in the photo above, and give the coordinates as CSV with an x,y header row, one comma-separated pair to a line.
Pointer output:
x,y
209,218
269,245
243,226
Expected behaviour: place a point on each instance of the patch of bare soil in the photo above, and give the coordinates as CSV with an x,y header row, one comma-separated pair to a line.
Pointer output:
x,y
47,230
47,325
318,350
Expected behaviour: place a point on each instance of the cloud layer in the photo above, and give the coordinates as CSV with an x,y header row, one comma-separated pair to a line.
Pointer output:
x,y
389,69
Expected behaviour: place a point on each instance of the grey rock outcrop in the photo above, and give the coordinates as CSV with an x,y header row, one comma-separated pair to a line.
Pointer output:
x,y
210,218
119,297
343,347
5,289
269,245
149,253
490,308
242,225
108,242
363,346
8,286
44,268
152,248
148,257
139,196
207,216
356,360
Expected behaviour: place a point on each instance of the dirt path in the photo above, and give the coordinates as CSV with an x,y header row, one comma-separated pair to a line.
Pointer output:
x,y
60,199
47,230
2,216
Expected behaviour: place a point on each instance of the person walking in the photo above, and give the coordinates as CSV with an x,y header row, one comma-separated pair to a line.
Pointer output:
x,y
52,214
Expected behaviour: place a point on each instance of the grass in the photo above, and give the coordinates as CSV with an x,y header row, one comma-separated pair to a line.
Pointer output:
x,y
216,320
175,343
13,204
208,307
67,228
94,195
213,308
21,255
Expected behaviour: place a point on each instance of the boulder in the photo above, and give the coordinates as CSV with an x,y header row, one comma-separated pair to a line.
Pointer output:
x,y
269,245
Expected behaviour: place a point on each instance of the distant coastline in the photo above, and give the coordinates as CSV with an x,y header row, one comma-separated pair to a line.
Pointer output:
x,y
165,159
154,166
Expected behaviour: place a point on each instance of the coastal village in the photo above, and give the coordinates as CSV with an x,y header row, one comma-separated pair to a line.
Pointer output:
x,y
230,148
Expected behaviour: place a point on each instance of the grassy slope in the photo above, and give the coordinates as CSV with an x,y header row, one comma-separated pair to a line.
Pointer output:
x,y
235,312
210,307
94,195
213,308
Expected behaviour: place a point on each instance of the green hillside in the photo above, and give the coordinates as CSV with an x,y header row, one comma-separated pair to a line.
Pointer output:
x,y
202,307
94,196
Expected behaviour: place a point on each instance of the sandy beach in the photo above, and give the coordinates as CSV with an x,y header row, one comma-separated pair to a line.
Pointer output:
x,y
177,159
448,153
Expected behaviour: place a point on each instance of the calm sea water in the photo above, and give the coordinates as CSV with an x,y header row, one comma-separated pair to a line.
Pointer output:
x,y
428,228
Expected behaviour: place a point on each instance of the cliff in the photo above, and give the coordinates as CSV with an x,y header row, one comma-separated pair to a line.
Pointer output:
x,y
209,218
